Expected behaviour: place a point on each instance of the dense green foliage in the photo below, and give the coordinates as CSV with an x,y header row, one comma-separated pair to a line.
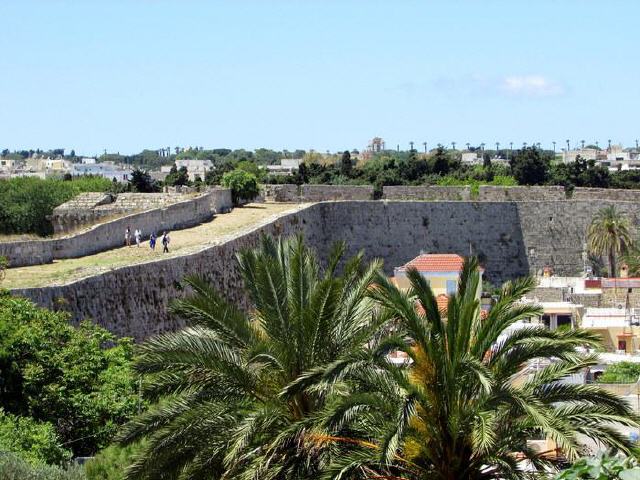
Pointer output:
x,y
603,467
243,185
26,202
34,441
621,372
112,462
177,176
221,381
14,467
76,378
142,182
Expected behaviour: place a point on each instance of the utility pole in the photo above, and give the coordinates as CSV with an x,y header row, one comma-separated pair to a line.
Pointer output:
x,y
582,143
411,145
497,148
554,148
453,145
568,147
425,146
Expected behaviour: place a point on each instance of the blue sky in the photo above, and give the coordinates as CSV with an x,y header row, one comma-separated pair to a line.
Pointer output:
x,y
323,74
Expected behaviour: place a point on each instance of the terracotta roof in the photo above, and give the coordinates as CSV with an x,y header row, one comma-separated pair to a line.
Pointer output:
x,y
436,262
443,302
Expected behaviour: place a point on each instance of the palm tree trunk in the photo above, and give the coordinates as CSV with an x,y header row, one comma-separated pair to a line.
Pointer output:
x,y
612,263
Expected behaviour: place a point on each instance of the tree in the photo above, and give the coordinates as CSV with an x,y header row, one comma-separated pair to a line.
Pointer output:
x,y
243,185
222,381
177,176
530,166
440,162
609,234
462,407
76,378
345,164
142,182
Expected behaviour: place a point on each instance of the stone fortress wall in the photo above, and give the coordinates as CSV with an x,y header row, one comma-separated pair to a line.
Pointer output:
x,y
437,193
512,239
110,234
91,207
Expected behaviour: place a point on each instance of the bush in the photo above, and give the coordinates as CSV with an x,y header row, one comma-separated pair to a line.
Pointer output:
x,y
623,372
12,467
602,468
77,378
34,441
111,462
26,202
243,185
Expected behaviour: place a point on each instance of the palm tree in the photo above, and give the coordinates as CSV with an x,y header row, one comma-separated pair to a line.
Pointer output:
x,y
609,234
219,410
467,400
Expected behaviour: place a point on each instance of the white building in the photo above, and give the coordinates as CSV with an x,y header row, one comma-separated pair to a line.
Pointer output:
x,y
194,167
287,165
471,158
107,170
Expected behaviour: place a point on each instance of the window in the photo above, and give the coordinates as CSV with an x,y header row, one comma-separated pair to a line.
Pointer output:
x,y
452,287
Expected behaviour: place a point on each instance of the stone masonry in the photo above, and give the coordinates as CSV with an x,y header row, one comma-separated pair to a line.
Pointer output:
x,y
90,208
104,236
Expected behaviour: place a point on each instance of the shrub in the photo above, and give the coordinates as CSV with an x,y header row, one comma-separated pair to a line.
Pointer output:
x,y
26,202
623,372
243,185
77,378
111,462
602,468
12,467
34,441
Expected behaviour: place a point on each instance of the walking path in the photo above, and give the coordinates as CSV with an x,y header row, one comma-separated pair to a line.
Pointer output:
x,y
183,242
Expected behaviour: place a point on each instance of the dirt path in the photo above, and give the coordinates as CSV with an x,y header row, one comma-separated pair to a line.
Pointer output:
x,y
182,242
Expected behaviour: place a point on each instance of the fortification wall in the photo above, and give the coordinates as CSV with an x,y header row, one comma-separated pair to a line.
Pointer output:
x,y
511,238
90,208
286,193
426,192
111,234
491,193
612,194
315,193
133,301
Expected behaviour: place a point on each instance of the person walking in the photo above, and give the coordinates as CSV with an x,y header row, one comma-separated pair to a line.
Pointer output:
x,y
152,241
165,242
127,237
138,236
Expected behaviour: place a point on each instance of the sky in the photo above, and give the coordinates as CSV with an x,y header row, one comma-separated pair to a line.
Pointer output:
x,y
123,75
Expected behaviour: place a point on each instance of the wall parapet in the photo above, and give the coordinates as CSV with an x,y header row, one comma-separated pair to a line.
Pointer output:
x,y
289,193
107,235
426,192
534,193
613,194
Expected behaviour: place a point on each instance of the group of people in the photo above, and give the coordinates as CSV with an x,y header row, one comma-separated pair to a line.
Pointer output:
x,y
137,235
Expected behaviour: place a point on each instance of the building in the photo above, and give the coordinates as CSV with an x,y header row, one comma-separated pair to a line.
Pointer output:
x,y
471,158
618,327
108,170
286,166
441,270
194,167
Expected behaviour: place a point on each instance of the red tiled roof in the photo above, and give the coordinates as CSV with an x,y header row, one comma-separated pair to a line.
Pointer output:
x,y
436,262
443,303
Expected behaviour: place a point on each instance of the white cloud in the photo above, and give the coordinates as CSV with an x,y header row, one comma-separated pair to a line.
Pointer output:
x,y
531,85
